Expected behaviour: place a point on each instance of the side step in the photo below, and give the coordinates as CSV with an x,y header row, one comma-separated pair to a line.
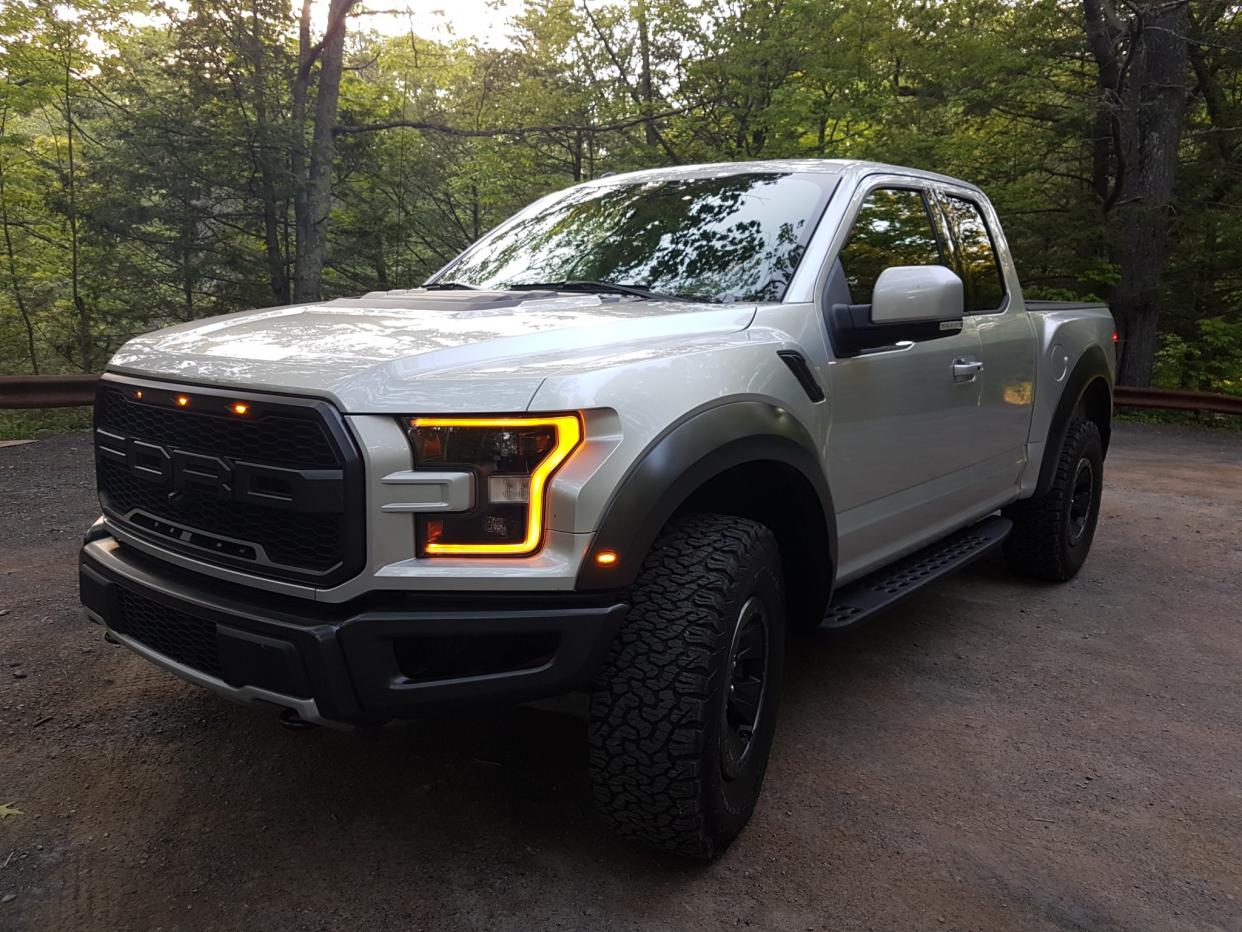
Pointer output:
x,y
858,601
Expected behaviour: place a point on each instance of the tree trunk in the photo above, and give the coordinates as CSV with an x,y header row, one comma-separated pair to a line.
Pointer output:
x,y
297,153
278,280
14,281
646,90
85,324
1145,60
381,263
187,250
1107,85
315,203
475,230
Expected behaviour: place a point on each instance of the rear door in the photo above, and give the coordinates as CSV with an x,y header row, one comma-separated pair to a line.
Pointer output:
x,y
1007,343
904,434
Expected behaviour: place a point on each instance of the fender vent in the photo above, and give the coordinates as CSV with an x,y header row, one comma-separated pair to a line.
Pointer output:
x,y
802,372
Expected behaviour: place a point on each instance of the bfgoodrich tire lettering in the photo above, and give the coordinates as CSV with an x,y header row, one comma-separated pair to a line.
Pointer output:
x,y
1052,533
674,764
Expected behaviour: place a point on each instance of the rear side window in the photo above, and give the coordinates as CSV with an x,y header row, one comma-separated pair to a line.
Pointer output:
x,y
976,255
894,227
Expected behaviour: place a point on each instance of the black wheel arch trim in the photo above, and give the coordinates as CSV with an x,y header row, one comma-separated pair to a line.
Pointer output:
x,y
1091,367
701,446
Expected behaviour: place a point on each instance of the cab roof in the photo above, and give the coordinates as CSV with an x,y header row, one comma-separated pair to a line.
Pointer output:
x,y
841,167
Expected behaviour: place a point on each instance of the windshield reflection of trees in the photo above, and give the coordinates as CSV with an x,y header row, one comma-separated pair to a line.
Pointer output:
x,y
738,236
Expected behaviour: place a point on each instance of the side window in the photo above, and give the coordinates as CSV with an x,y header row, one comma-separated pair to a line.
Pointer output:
x,y
894,227
977,264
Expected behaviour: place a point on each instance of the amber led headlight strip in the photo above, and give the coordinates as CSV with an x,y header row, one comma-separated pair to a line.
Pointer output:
x,y
513,459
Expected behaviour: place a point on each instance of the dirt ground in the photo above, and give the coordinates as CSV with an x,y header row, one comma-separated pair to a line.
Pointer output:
x,y
991,755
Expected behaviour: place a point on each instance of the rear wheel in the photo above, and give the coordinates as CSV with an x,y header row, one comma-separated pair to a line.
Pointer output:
x,y
1052,533
683,717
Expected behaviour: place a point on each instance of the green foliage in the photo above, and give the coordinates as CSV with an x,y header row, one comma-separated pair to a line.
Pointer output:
x,y
32,424
1210,362
178,199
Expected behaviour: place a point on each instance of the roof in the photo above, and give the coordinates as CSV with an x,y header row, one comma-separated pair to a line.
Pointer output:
x,y
852,167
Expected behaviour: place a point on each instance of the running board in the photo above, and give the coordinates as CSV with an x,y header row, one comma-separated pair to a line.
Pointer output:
x,y
858,601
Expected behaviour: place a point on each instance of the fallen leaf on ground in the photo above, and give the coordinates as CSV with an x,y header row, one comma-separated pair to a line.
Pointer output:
x,y
6,810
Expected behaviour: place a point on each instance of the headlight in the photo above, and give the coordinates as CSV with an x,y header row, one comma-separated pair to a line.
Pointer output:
x,y
512,459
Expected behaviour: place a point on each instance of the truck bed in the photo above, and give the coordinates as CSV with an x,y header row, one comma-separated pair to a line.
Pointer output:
x,y
1047,307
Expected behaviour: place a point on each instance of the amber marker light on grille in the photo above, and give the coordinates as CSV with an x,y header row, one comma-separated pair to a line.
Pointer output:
x,y
183,401
239,407
568,436
606,558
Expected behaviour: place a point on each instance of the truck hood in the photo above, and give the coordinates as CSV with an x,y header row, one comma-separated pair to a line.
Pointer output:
x,y
419,350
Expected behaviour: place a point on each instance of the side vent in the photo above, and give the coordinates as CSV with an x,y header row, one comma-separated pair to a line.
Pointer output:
x,y
802,372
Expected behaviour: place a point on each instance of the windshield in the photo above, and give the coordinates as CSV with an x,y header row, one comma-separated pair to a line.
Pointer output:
x,y
726,238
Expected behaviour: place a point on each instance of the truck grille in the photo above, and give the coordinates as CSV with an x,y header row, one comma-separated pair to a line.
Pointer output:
x,y
275,491
188,640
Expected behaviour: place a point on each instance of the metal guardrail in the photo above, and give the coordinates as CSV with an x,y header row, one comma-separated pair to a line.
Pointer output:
x,y
1171,399
69,391
47,391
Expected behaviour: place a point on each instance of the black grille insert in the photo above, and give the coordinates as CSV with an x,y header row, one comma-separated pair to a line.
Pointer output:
x,y
178,636
276,493
272,438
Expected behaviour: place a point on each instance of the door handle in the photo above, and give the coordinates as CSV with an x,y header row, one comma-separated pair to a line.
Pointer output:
x,y
965,370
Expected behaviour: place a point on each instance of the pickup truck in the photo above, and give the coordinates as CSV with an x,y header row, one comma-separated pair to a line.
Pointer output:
x,y
625,445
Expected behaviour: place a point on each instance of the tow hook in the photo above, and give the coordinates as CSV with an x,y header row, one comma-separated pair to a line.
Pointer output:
x,y
290,719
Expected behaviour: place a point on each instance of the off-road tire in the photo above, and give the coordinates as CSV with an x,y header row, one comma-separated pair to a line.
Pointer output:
x,y
1052,533
660,736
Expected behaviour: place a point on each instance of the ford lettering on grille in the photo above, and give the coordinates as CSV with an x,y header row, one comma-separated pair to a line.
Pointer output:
x,y
178,470
277,493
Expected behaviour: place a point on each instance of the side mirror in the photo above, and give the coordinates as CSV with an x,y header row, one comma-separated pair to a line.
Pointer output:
x,y
917,294
910,303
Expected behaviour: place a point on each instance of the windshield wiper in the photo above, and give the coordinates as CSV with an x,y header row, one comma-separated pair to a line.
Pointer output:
x,y
451,286
592,287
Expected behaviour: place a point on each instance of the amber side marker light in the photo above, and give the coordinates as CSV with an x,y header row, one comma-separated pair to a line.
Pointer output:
x,y
239,407
183,401
606,558
568,436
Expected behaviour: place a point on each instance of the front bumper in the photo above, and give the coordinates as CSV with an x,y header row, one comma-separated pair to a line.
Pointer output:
x,y
381,656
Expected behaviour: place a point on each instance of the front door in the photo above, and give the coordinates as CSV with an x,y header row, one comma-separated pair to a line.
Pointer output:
x,y
902,445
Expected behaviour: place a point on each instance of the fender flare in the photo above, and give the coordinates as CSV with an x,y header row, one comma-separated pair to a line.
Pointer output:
x,y
698,448
1092,366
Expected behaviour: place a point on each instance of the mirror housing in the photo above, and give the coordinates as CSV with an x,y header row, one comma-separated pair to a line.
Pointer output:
x,y
906,294
910,303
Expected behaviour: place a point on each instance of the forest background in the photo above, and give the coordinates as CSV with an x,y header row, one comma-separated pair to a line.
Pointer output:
x,y
161,162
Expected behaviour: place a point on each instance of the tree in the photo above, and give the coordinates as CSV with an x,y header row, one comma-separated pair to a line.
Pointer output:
x,y
224,157
313,168
1142,55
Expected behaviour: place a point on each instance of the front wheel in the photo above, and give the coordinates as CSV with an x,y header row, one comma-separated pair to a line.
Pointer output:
x,y
684,713
1052,533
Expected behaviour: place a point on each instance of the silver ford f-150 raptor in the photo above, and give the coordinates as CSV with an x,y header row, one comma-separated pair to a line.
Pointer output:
x,y
622,444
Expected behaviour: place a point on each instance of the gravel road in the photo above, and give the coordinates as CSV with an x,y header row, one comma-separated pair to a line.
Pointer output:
x,y
991,755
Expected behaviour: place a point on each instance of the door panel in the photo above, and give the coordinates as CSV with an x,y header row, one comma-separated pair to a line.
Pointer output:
x,y
1006,336
1007,387
900,448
